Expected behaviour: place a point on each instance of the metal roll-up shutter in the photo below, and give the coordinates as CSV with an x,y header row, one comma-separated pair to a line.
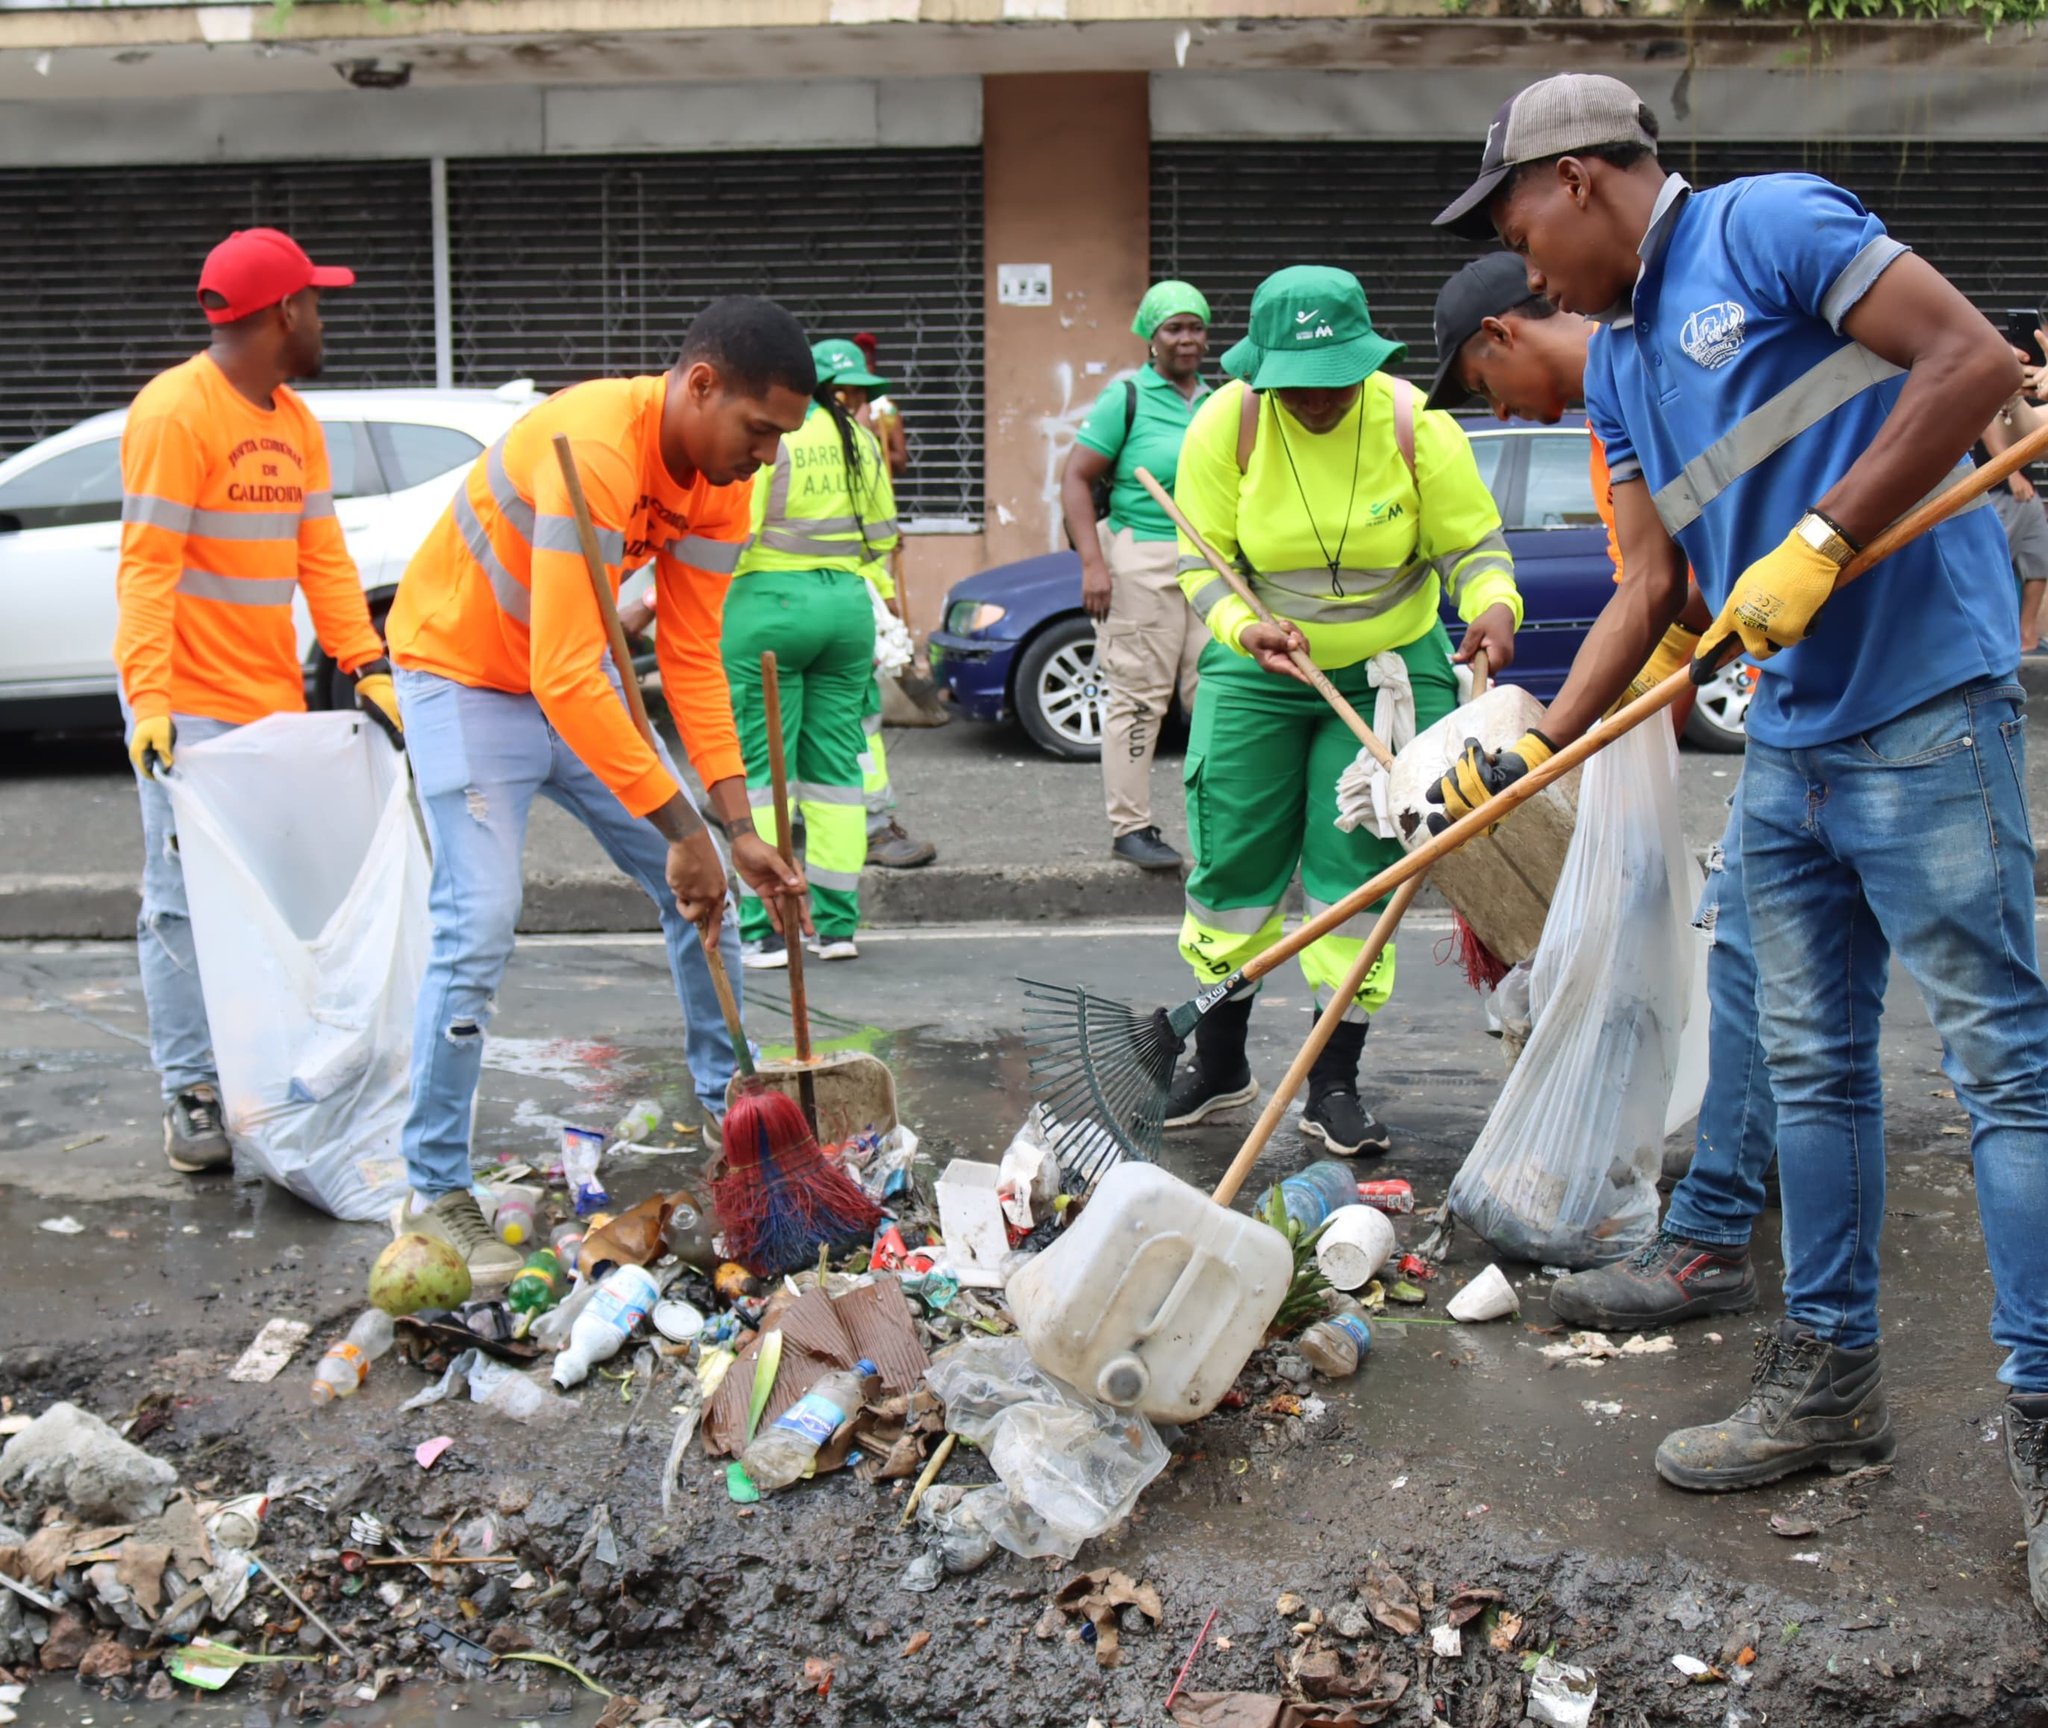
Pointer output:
x,y
101,269
572,268
1224,216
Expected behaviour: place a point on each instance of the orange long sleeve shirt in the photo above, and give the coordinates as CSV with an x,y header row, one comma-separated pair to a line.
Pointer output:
x,y
226,509
498,598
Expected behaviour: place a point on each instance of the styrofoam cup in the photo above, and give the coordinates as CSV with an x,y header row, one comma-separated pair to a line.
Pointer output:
x,y
1355,1243
1488,1297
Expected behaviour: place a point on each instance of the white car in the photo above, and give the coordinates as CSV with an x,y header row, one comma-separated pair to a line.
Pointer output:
x,y
397,457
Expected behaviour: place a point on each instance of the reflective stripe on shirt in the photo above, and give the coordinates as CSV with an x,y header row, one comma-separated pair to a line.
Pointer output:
x,y
237,590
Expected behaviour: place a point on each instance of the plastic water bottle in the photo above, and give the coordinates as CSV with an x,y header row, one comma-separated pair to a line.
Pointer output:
x,y
1311,1195
538,1285
782,1451
515,1221
1336,1344
346,1365
618,1307
567,1243
642,1119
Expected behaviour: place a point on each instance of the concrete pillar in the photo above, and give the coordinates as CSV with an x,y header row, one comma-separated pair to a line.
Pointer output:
x,y
1066,166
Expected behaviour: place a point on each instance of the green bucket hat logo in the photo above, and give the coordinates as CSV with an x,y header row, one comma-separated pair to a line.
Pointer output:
x,y
1310,330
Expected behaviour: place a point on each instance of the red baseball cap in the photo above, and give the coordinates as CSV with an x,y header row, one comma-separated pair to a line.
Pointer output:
x,y
257,267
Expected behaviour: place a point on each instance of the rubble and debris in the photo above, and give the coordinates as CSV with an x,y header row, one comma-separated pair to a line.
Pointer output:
x,y
1561,1695
71,1458
1099,1597
270,1351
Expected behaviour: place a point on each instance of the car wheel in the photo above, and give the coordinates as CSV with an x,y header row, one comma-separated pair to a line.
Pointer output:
x,y
332,688
1718,717
1059,695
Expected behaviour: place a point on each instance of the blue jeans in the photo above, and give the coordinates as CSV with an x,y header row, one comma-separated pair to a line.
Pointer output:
x,y
479,757
1910,839
1719,1197
180,1046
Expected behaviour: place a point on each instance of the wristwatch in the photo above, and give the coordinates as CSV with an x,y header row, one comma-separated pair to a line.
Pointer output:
x,y
1826,538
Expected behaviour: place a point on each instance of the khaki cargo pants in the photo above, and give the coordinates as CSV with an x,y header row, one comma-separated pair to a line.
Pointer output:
x,y
1145,649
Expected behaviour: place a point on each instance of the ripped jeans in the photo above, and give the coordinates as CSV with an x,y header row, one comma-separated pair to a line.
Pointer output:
x,y
1719,1197
180,1045
479,757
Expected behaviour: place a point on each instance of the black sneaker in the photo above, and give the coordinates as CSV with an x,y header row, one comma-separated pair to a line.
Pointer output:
x,y
1345,1126
2026,1457
194,1139
1145,848
1811,1404
1669,1278
889,848
1219,1078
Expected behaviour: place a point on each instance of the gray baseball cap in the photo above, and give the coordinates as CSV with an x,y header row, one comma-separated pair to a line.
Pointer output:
x,y
1573,111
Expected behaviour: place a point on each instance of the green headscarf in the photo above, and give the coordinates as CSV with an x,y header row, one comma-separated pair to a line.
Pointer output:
x,y
1164,300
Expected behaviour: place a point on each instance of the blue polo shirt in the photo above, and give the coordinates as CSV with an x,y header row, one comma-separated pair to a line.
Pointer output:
x,y
1728,386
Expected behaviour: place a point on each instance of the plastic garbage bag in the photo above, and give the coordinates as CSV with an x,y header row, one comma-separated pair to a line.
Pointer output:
x,y
1565,1171
1071,1467
307,882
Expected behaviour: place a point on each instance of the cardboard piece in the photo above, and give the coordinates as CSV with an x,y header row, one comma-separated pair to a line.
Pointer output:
x,y
820,1334
271,1349
972,1223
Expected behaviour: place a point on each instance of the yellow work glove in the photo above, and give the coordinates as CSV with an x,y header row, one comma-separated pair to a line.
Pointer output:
x,y
1475,776
1772,605
376,698
151,741
1674,651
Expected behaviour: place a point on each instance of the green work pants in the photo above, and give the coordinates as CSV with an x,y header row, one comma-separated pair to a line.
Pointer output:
x,y
874,764
822,628
1262,765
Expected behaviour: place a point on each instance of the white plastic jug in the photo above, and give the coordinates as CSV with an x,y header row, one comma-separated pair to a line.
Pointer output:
x,y
1155,1298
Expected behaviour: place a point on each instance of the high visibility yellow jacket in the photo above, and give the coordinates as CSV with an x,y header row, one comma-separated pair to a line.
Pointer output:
x,y
227,510
809,514
1398,539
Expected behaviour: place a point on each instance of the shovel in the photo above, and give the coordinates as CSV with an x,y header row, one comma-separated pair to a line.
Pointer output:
x,y
845,1092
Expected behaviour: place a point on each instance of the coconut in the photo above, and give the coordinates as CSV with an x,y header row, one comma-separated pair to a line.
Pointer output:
x,y
418,1272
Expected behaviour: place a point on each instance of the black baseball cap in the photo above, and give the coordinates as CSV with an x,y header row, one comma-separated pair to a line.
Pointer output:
x,y
1573,111
1486,288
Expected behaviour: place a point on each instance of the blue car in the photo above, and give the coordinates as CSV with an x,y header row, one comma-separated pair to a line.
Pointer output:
x,y
1013,642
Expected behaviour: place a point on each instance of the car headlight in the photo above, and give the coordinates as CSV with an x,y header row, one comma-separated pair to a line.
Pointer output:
x,y
971,617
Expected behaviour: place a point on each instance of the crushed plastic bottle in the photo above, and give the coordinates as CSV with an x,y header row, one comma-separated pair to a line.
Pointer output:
x,y
613,1314
346,1365
1311,1195
642,1119
1336,1344
516,1218
783,1450
567,1242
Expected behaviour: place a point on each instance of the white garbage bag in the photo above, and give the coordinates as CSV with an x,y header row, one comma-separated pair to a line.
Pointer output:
x,y
307,881
1565,1171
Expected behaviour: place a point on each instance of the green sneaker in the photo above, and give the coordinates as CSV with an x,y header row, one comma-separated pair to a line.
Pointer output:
x,y
458,1219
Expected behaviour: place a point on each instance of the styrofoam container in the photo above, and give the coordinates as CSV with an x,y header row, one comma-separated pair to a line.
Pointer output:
x,y
1155,1297
971,1221
1356,1242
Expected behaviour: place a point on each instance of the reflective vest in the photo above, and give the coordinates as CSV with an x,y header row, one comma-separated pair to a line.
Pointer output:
x,y
498,597
807,516
1399,533
227,511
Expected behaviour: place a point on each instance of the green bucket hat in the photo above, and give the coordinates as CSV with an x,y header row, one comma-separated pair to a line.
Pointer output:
x,y
1164,300
841,362
1310,330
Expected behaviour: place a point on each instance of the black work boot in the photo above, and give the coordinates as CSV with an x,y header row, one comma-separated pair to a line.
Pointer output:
x,y
1810,1404
2026,1456
1333,1113
1219,1077
1668,1278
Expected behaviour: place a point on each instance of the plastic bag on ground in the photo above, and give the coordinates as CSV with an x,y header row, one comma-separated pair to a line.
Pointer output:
x,y
1071,1467
1565,1171
307,882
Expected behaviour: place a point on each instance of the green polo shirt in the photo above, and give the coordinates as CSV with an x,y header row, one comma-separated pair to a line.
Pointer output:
x,y
1157,427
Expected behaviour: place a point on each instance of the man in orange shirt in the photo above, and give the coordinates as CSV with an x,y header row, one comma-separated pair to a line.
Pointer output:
x,y
227,510
509,693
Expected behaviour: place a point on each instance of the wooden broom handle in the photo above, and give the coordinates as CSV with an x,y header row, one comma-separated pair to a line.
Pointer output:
x,y
785,843
1603,732
1319,1036
1314,674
